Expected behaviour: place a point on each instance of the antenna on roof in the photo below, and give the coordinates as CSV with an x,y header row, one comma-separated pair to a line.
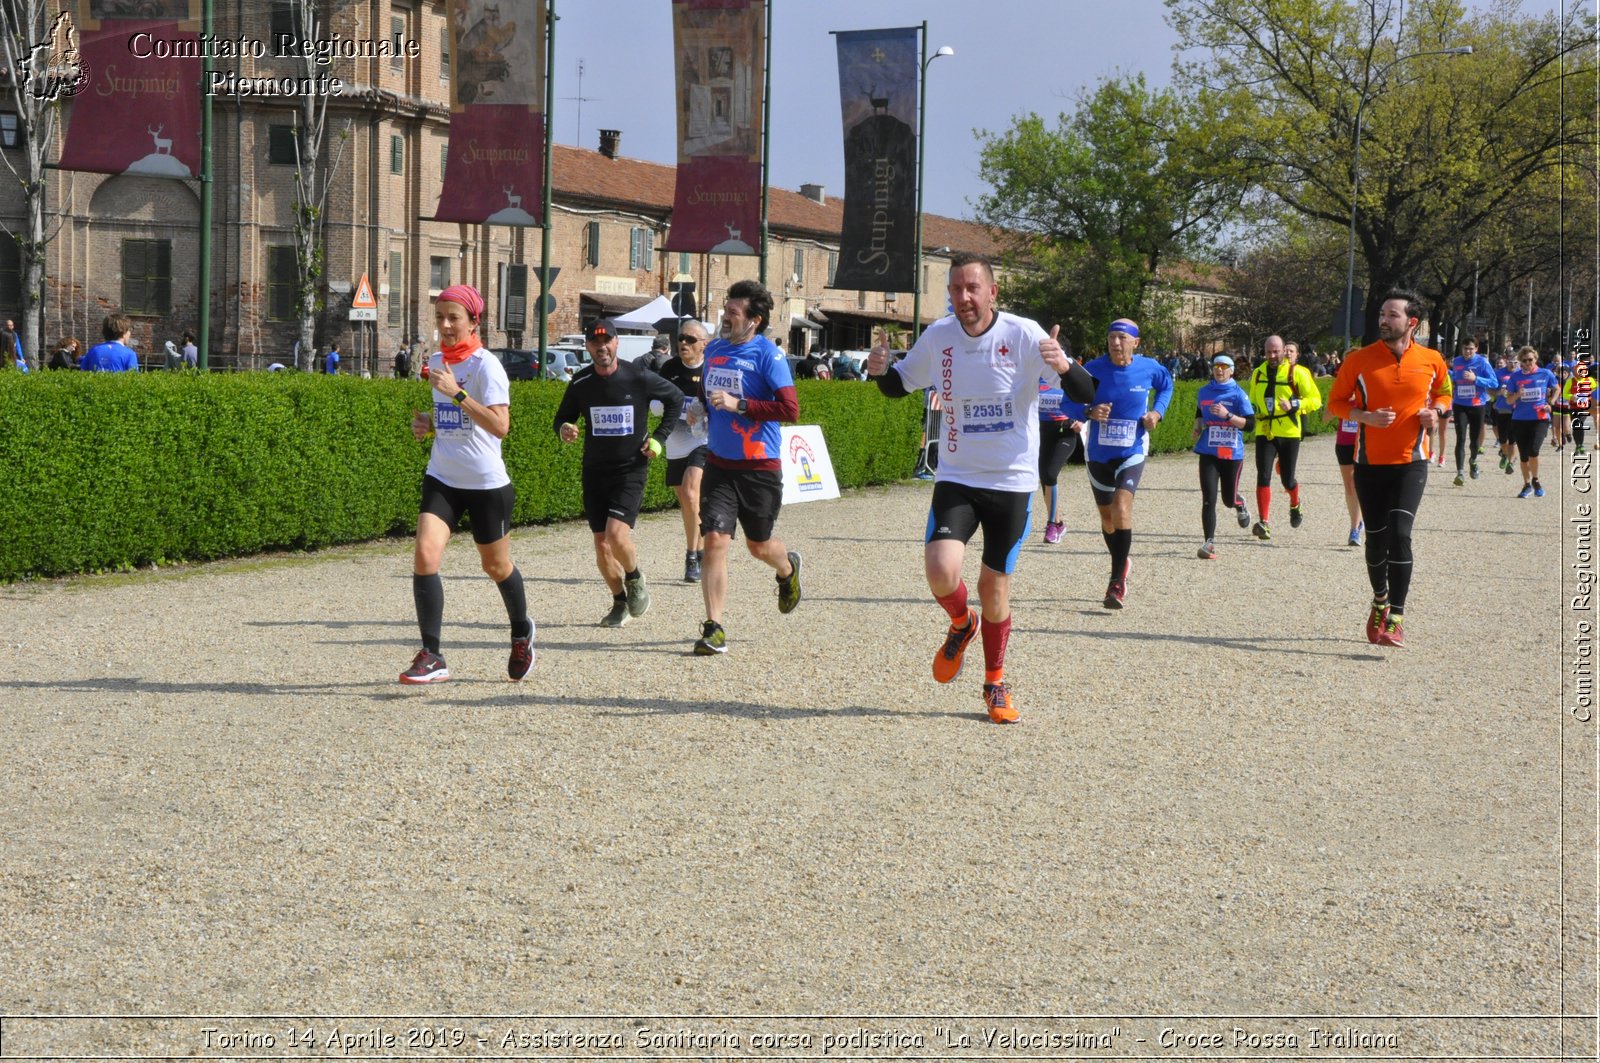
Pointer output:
x,y
577,137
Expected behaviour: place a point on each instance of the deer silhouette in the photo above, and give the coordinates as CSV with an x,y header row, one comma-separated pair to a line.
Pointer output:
x,y
163,144
511,200
753,449
880,104
733,234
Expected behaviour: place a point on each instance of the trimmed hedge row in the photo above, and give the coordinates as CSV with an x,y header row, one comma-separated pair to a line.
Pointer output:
x,y
114,470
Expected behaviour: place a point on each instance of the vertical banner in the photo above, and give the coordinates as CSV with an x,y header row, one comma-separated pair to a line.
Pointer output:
x,y
139,111
720,47
878,95
494,172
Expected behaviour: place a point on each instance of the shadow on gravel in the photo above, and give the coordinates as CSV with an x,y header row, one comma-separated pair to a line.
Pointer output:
x,y
1298,645
125,685
341,625
629,707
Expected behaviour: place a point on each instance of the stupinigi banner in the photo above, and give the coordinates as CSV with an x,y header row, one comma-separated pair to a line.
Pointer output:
x,y
138,107
720,46
494,172
878,95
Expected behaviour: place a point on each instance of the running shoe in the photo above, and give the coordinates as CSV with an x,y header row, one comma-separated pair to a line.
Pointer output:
x,y
952,655
691,566
997,699
1355,533
1576,451
638,595
1393,633
1375,621
1459,480
789,586
1297,516
521,661
1116,590
712,640
618,615
1508,466
1527,489
1505,463
1207,551
1053,530
1538,489
1474,470
426,667
1261,531
1243,514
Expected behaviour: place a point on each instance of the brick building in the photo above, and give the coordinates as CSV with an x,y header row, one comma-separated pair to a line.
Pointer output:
x,y
132,243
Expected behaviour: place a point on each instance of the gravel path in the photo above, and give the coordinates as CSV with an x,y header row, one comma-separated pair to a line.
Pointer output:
x,y
1221,801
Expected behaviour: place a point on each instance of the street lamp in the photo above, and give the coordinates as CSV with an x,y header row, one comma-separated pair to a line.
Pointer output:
x,y
922,110
1355,174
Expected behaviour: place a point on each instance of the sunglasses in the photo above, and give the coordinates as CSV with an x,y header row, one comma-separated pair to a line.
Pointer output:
x,y
689,339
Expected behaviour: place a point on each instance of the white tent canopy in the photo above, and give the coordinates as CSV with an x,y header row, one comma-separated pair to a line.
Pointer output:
x,y
646,316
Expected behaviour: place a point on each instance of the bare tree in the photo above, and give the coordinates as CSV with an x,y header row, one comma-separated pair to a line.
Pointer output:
x,y
36,70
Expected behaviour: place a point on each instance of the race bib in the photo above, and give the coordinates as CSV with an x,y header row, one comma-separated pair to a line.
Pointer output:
x,y
1119,433
447,417
1349,426
1049,403
1531,393
1221,436
985,416
725,379
611,420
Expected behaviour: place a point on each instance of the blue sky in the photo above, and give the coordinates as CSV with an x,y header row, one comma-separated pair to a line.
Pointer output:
x,y
1012,57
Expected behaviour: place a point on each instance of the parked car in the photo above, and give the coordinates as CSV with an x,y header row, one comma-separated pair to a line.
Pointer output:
x,y
518,364
560,362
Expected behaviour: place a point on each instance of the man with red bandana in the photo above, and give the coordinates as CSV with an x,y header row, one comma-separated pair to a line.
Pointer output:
x,y
466,476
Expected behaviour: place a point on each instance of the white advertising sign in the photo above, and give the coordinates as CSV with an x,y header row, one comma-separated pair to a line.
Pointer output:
x,y
807,469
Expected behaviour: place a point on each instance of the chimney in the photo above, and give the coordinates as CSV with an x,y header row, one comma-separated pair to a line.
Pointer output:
x,y
814,193
609,139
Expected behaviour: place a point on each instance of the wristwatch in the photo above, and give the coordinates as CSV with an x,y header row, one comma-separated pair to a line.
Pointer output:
x,y
744,407
459,397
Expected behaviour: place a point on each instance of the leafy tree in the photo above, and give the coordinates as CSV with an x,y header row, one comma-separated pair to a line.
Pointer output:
x,y
1447,143
1286,281
1094,206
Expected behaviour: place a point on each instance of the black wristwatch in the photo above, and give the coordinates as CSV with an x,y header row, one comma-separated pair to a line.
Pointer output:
x,y
744,407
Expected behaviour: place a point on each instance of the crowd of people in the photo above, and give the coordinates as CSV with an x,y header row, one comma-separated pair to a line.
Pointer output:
x,y
114,354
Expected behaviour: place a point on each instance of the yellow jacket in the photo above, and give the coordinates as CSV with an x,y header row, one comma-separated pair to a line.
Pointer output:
x,y
1280,405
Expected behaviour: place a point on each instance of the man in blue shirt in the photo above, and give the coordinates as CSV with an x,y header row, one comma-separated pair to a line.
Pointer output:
x,y
114,355
331,365
1474,383
1132,393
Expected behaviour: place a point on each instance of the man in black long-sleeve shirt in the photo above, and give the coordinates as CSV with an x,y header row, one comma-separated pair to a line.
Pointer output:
x,y
613,397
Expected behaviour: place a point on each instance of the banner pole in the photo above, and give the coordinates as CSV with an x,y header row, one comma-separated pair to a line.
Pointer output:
x,y
204,326
766,138
544,236
916,252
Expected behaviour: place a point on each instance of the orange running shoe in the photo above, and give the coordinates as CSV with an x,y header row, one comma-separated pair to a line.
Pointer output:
x,y
1375,618
948,661
997,699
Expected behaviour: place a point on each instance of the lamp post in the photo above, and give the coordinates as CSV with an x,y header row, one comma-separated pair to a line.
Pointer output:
x,y
1355,174
922,110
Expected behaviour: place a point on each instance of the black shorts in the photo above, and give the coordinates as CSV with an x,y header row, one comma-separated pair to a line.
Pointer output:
x,y
676,467
1529,436
1057,441
1345,452
613,494
489,509
752,497
1005,517
1106,478
1502,425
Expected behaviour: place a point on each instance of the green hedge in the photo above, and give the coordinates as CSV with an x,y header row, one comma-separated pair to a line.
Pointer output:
x,y
1176,430
113,470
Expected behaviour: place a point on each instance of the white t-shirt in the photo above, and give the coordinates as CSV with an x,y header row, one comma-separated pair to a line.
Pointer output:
x,y
990,387
464,455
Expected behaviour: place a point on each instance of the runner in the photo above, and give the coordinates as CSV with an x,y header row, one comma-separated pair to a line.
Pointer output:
x,y
1560,428
748,392
466,475
1344,449
1473,382
1131,396
1222,415
686,446
1503,406
1530,390
1394,390
987,365
1058,438
1580,397
613,398
1280,392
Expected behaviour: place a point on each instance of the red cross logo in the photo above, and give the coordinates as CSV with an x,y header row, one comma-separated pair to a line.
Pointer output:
x,y
1004,350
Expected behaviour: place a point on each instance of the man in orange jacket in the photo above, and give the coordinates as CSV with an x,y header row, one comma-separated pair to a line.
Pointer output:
x,y
1395,391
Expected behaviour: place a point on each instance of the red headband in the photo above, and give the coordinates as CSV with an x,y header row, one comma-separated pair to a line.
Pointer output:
x,y
467,296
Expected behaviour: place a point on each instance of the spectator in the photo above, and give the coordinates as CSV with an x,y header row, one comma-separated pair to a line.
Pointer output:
x,y
174,360
66,353
845,368
330,365
659,353
812,367
16,345
191,353
6,339
402,364
114,355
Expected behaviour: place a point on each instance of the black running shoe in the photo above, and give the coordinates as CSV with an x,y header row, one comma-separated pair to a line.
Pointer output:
x,y
521,661
426,667
789,586
712,640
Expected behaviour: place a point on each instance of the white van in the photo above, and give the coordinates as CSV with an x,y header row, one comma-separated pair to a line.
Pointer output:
x,y
631,348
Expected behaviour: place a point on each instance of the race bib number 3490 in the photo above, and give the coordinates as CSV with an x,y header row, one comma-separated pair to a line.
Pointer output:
x,y
611,420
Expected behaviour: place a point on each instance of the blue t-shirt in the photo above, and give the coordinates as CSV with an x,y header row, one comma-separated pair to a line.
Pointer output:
x,y
1218,438
1050,400
1129,390
331,366
1502,404
110,357
1532,392
755,369
1476,393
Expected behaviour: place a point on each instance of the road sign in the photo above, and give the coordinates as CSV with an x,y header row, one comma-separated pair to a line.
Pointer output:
x,y
363,313
554,271
363,299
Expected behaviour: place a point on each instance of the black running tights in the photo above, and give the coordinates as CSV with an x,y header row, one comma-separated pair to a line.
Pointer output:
x,y
1390,496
